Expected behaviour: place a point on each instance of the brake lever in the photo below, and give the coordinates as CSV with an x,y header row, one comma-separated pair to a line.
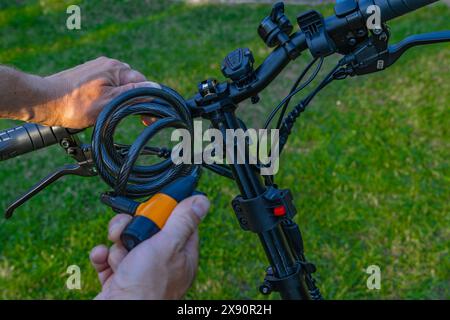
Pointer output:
x,y
69,169
396,51
84,168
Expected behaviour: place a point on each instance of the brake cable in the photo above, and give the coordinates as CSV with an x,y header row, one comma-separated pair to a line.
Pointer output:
x,y
289,121
285,102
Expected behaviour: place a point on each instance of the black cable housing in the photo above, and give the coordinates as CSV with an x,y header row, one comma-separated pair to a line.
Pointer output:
x,y
289,121
117,166
295,90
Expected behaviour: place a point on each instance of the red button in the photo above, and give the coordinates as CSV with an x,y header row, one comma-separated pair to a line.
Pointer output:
x,y
279,211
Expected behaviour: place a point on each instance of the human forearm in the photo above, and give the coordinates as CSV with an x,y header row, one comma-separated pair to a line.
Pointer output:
x,y
25,97
72,98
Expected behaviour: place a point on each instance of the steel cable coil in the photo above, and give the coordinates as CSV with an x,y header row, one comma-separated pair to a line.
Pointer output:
x,y
116,163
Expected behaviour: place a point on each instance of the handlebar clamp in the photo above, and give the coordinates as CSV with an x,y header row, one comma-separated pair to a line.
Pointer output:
x,y
275,29
313,26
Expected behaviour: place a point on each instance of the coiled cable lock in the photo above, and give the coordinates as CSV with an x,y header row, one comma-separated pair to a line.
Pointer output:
x,y
116,163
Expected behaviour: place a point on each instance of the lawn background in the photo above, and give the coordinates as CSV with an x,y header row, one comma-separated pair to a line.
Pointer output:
x,y
367,163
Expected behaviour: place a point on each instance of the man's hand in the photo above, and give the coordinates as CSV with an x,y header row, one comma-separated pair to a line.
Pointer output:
x,y
71,98
83,91
162,267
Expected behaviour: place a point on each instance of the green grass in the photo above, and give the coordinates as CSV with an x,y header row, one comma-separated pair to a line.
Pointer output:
x,y
368,163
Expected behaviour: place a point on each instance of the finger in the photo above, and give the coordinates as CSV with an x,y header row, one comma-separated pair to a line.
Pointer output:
x,y
99,257
146,120
127,75
184,220
104,275
116,226
99,260
118,90
117,253
111,94
114,92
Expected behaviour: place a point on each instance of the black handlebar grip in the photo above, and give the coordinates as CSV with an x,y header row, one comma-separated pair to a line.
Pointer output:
x,y
29,137
391,9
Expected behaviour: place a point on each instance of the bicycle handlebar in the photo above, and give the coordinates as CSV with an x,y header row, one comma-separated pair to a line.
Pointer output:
x,y
391,9
30,137
335,26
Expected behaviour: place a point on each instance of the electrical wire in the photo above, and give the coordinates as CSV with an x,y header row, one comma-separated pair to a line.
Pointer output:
x,y
313,76
290,119
285,102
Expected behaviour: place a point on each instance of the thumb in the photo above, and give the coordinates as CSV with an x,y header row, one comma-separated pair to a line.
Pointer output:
x,y
184,220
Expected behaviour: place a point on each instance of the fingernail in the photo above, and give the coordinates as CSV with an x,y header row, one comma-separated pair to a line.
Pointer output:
x,y
200,206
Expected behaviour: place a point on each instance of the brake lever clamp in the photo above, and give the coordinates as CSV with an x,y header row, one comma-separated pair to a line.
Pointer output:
x,y
275,29
370,56
84,168
374,54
